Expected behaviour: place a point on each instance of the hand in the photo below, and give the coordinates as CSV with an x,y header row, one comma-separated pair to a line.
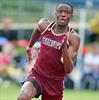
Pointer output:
x,y
30,56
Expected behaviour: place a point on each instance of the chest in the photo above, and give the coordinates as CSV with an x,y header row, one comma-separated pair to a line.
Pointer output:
x,y
52,40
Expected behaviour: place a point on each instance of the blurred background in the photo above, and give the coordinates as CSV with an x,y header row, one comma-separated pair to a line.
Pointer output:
x,y
18,18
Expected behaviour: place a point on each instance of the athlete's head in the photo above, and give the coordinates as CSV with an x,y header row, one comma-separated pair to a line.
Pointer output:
x,y
64,12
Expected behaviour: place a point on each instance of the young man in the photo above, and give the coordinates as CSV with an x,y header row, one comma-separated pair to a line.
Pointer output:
x,y
58,51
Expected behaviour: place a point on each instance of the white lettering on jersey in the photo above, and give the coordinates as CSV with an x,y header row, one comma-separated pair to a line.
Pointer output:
x,y
50,43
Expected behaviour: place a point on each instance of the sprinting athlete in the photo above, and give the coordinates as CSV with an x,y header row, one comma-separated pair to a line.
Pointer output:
x,y
58,51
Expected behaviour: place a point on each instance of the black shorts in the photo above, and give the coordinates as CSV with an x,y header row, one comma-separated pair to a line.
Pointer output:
x,y
36,85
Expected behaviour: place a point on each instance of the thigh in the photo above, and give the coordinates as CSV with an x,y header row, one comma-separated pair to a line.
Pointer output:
x,y
46,96
28,90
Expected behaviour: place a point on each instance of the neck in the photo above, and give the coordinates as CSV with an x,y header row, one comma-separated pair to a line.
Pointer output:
x,y
59,29
63,28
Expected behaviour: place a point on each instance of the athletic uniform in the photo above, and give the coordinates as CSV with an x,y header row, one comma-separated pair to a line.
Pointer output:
x,y
48,70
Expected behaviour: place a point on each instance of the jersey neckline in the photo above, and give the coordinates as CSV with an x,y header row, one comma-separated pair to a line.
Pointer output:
x,y
58,34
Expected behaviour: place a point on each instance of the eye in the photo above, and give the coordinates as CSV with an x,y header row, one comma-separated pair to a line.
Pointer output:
x,y
59,11
65,11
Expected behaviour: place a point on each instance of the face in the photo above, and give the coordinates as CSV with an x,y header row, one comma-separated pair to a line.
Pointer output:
x,y
63,14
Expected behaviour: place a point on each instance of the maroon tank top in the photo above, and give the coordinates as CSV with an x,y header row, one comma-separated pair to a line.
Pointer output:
x,y
48,63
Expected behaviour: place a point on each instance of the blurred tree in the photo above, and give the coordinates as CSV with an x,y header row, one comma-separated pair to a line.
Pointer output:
x,y
94,28
94,24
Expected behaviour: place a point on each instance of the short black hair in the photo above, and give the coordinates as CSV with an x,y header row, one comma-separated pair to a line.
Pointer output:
x,y
67,3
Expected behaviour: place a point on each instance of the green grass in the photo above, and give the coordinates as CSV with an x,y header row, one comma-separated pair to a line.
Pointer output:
x,y
10,91
81,95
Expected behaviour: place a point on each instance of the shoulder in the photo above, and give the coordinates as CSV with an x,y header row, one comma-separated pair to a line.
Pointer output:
x,y
74,36
43,24
74,40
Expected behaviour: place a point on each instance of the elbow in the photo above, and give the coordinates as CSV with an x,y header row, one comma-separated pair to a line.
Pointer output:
x,y
68,66
69,70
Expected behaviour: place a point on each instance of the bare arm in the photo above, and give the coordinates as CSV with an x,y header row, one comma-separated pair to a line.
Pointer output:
x,y
34,37
42,25
69,54
73,48
37,32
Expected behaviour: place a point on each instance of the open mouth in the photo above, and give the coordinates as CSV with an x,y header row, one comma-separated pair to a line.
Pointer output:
x,y
62,20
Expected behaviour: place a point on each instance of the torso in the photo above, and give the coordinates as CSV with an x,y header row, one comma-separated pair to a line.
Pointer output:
x,y
49,62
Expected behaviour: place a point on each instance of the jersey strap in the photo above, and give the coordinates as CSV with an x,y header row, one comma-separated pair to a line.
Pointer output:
x,y
48,27
69,33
